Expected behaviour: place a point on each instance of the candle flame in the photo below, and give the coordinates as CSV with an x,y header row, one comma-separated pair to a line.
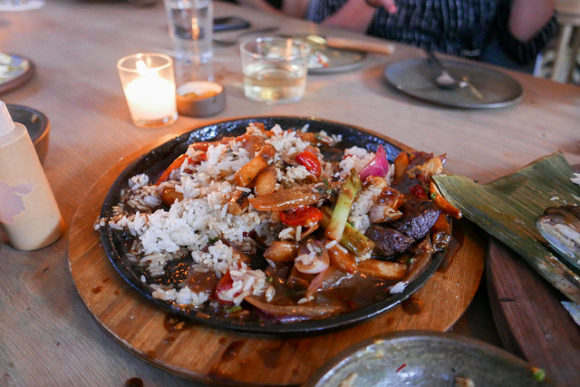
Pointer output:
x,y
195,29
141,66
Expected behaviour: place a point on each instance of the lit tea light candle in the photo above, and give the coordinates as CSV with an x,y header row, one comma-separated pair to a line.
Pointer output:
x,y
149,88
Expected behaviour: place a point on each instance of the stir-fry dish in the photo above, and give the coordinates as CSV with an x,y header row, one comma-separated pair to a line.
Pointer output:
x,y
282,225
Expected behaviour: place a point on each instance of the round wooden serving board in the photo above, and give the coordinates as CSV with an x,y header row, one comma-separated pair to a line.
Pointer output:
x,y
204,354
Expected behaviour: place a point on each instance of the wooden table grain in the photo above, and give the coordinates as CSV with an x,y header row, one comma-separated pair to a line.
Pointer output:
x,y
47,336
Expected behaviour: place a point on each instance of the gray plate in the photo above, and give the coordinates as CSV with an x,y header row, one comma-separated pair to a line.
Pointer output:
x,y
338,60
416,77
422,358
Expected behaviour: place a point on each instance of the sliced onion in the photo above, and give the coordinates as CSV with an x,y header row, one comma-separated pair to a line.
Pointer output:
x,y
325,279
319,264
378,166
308,311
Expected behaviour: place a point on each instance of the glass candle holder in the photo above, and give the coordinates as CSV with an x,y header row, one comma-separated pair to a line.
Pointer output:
x,y
149,87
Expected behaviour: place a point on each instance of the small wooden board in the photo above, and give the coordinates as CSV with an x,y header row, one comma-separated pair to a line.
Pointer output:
x,y
529,317
205,354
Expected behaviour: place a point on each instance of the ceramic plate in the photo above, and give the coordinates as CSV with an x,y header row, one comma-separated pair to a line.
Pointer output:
x,y
421,358
337,61
156,161
14,71
416,77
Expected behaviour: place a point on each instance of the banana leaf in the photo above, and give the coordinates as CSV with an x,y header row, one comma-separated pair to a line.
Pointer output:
x,y
507,208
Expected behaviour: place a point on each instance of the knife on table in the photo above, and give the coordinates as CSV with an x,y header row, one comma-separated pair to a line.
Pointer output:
x,y
351,44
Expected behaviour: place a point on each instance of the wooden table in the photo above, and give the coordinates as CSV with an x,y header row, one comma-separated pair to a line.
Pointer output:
x,y
47,335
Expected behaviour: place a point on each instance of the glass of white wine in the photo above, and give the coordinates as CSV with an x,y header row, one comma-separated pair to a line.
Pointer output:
x,y
274,69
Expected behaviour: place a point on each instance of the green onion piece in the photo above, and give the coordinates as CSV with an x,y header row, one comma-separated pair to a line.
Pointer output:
x,y
233,309
538,374
352,239
348,192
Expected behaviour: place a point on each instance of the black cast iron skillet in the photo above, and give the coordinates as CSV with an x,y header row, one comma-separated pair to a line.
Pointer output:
x,y
157,160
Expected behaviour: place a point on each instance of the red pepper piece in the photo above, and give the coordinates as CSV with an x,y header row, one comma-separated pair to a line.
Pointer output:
x,y
309,160
301,216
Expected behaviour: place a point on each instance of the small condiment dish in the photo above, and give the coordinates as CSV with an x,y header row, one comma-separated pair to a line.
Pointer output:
x,y
200,99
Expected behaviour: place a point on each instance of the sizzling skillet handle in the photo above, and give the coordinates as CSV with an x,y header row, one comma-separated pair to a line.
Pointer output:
x,y
360,45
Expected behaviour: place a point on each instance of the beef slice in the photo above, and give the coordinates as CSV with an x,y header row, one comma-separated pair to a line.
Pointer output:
x,y
388,241
417,220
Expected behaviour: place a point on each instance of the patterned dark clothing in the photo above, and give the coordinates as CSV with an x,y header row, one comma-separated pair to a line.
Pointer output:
x,y
456,27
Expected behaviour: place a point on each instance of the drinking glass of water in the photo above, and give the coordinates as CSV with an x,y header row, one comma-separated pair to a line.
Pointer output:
x,y
190,28
274,69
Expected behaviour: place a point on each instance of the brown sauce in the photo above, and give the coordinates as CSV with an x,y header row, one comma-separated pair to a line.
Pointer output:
x,y
173,323
169,340
455,245
97,289
233,350
271,356
217,374
134,382
412,305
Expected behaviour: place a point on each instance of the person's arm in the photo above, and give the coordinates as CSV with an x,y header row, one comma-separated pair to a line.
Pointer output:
x,y
524,27
295,8
259,4
528,17
356,15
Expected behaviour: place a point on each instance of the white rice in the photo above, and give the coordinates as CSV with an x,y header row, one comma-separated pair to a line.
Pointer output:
x,y
220,258
198,222
287,233
138,181
331,244
220,161
294,175
304,300
399,287
298,233
246,283
287,143
361,207
184,296
356,158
